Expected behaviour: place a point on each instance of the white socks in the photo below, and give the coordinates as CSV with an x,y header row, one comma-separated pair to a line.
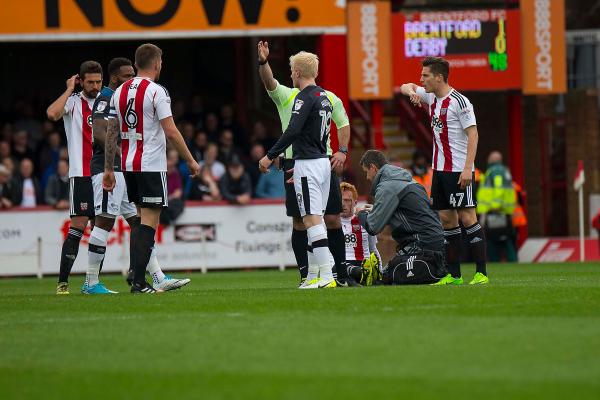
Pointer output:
x,y
317,237
96,251
153,268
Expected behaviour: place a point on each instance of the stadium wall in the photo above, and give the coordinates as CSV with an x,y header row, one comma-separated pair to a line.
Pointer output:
x,y
208,236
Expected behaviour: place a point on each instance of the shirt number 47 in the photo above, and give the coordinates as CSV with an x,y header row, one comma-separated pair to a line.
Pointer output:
x,y
454,197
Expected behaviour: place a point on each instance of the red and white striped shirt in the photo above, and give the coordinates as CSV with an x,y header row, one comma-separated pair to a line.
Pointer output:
x,y
140,105
357,239
450,116
78,128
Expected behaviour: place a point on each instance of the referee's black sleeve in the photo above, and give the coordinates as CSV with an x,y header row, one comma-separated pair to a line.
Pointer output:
x,y
300,112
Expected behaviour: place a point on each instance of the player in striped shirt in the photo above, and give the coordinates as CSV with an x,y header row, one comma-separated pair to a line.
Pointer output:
x,y
359,244
75,109
455,140
141,114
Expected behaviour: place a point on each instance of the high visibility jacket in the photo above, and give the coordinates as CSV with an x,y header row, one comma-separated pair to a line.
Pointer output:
x,y
425,180
496,192
519,218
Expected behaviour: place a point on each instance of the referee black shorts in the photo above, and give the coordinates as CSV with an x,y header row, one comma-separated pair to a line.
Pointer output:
x,y
334,203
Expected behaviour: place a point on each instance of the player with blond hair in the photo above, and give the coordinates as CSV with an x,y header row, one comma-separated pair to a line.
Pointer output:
x,y
283,97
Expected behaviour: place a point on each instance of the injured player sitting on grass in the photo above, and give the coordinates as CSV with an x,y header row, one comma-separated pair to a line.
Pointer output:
x,y
363,261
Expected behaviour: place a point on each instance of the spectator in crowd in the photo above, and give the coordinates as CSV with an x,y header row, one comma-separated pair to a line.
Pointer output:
x,y
204,187
196,112
211,127
270,185
7,132
4,150
261,135
57,189
9,164
235,185
7,193
217,168
496,200
174,190
27,187
199,145
49,156
27,121
257,151
178,110
228,122
421,170
187,131
21,149
227,147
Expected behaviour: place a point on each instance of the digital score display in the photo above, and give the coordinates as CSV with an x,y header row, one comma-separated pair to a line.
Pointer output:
x,y
482,47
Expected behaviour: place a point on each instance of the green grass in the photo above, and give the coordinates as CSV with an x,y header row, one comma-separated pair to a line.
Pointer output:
x,y
534,333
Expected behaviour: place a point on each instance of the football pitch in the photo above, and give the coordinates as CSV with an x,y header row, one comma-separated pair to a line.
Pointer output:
x,y
534,333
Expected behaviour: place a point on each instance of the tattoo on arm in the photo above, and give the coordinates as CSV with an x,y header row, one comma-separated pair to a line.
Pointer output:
x,y
110,147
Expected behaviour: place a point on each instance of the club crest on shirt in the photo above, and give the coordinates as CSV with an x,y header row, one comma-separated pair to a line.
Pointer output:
x,y
298,105
443,111
356,228
83,206
101,106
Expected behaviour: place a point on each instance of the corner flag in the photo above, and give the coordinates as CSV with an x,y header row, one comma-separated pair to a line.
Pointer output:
x,y
579,176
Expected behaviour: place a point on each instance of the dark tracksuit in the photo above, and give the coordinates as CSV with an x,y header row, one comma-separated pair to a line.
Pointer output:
x,y
403,204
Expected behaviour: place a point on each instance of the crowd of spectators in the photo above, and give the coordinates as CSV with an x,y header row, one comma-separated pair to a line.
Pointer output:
x,y
34,160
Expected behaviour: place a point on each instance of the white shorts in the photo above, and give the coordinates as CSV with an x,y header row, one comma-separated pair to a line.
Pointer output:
x,y
115,203
311,183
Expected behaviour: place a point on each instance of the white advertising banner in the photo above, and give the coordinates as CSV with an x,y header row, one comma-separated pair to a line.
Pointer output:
x,y
204,237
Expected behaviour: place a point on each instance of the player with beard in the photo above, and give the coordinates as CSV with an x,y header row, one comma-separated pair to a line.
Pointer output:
x,y
76,111
140,110
109,205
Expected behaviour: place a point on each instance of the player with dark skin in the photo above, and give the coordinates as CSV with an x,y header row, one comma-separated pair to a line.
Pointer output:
x,y
99,129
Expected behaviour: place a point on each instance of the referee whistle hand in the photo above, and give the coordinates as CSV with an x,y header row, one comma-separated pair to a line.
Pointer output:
x,y
108,181
263,51
337,162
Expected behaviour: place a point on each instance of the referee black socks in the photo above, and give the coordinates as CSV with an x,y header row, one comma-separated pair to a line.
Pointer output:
x,y
452,238
299,241
476,241
337,247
